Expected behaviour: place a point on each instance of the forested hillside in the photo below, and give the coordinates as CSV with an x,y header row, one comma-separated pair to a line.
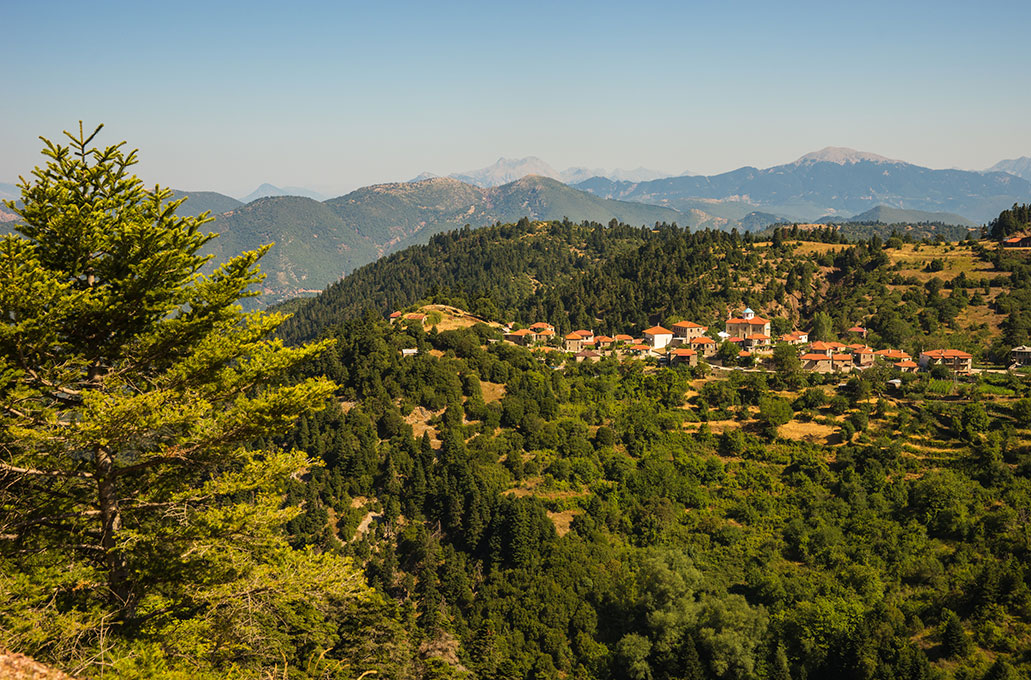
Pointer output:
x,y
617,521
616,277
185,495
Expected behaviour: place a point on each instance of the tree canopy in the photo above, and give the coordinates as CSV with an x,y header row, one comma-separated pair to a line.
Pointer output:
x,y
136,495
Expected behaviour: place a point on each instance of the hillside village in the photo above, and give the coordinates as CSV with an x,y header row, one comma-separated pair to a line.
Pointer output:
x,y
747,337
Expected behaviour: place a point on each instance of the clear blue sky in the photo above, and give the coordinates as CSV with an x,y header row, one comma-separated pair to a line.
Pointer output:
x,y
224,96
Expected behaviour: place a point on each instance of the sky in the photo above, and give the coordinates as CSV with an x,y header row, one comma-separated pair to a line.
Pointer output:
x,y
224,96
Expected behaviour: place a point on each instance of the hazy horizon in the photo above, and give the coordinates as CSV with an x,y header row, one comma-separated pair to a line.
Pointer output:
x,y
227,97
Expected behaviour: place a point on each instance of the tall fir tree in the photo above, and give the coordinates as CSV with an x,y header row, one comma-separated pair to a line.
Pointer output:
x,y
137,518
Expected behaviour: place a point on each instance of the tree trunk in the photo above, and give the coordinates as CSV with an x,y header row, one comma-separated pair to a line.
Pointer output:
x,y
110,525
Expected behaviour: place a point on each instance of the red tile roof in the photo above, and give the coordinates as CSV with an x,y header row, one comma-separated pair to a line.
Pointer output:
x,y
603,338
623,337
702,340
640,347
394,315
574,336
841,357
684,352
947,354
813,356
744,353
657,330
754,321
857,329
521,332
906,364
687,324
757,336
585,334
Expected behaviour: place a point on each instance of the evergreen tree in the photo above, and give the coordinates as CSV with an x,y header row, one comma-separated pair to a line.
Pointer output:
x,y
133,504
954,638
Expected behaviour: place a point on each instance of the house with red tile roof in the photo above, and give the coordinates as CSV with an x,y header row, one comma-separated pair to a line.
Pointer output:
x,y
862,355
623,337
523,336
892,355
957,360
573,342
858,330
703,344
680,355
817,362
658,337
1017,241
394,316
684,331
757,341
906,366
588,355
747,324
795,338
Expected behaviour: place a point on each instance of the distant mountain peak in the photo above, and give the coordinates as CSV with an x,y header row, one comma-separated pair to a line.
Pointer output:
x,y
842,156
507,170
1020,167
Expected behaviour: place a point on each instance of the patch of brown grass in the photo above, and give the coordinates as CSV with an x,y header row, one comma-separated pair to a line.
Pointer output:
x,y
815,433
563,520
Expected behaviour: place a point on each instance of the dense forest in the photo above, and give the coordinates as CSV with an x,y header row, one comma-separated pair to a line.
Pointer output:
x,y
185,495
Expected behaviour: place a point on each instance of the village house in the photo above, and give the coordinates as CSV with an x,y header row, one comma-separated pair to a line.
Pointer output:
x,y
658,337
622,338
1017,241
906,366
827,348
587,355
862,355
795,338
747,324
685,331
892,355
842,362
757,342
574,342
858,330
680,355
1021,356
394,316
704,345
588,336
523,336
817,362
415,317
955,359
603,341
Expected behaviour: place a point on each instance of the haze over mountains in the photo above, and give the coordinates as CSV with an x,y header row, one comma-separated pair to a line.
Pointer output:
x,y
507,170
318,241
1021,167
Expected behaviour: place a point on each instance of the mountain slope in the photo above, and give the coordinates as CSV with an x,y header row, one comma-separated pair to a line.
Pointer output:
x,y
205,201
835,181
267,190
317,243
313,246
1020,167
886,215
506,170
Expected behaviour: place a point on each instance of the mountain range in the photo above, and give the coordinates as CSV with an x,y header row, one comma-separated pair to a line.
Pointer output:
x,y
833,181
1021,167
318,241
507,170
